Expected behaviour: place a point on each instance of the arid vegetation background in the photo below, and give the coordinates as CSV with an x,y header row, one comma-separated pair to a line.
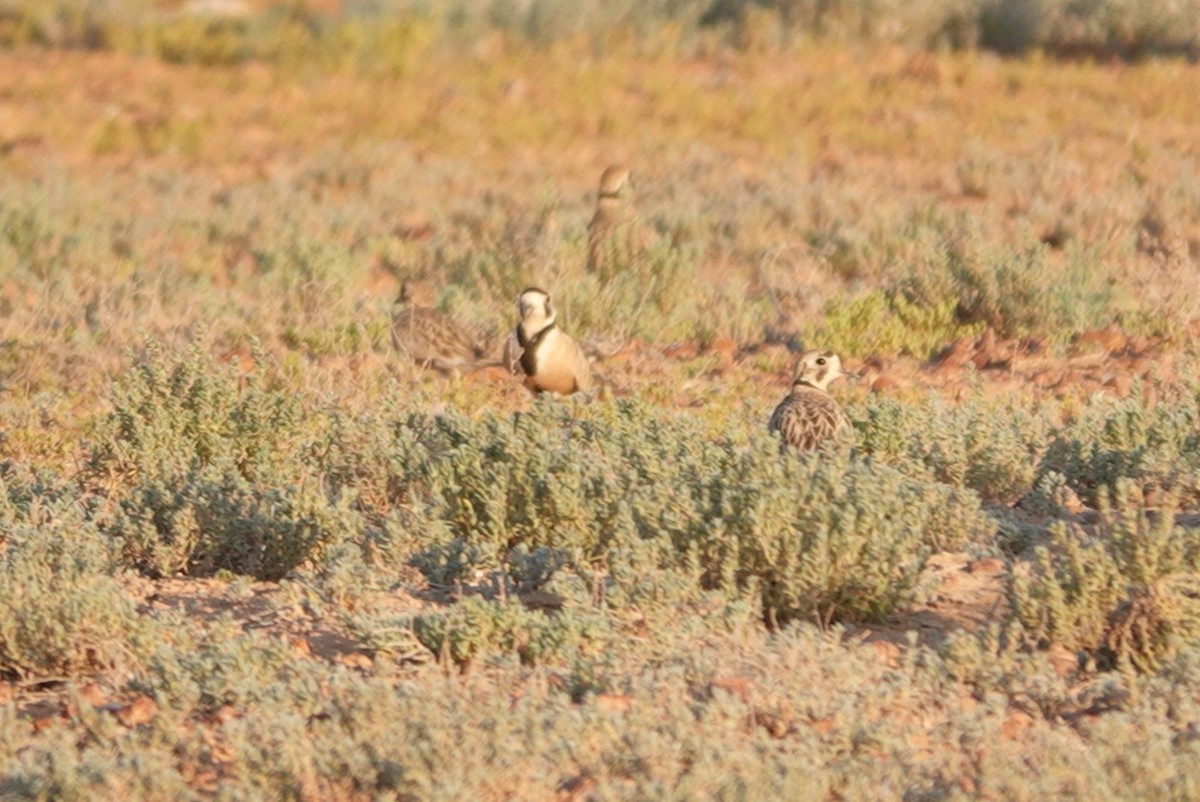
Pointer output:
x,y
251,553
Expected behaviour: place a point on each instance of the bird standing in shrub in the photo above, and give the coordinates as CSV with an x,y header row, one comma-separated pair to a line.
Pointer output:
x,y
615,235
431,338
551,361
809,416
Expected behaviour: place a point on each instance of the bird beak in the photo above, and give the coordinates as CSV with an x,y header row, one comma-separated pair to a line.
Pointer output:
x,y
855,375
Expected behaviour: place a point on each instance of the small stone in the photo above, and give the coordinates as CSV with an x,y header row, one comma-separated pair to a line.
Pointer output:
x,y
956,355
776,726
887,651
1120,384
1069,500
1108,340
1015,724
358,660
1064,661
725,350
46,722
613,702
93,694
735,686
578,787
140,711
883,384
823,726
225,713
986,565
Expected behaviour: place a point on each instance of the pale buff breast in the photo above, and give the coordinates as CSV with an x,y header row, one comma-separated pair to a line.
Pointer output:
x,y
561,367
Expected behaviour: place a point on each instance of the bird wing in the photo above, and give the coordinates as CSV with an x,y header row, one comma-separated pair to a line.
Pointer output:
x,y
429,336
807,418
512,354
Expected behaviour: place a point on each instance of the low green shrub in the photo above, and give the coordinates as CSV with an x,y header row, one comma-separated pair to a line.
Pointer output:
x,y
200,523
218,662
821,536
989,446
475,627
208,470
827,536
1128,593
883,322
174,413
1015,290
63,612
1155,445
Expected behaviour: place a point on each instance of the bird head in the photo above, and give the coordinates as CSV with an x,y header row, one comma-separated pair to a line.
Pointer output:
x,y
820,369
535,308
614,180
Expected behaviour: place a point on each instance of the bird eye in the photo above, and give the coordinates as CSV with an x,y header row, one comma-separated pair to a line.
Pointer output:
x,y
820,360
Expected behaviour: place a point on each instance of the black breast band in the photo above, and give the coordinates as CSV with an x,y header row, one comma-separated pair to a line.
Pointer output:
x,y
529,346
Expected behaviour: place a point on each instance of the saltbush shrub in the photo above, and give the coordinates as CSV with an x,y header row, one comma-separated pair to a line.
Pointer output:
x,y
821,535
209,471
1158,446
989,446
1127,593
476,627
63,611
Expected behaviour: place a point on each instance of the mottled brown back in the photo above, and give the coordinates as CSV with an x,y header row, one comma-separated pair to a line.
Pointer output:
x,y
807,418
433,339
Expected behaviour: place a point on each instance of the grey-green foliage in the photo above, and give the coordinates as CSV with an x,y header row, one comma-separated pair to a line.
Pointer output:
x,y
204,469
210,470
476,627
174,413
649,291
988,446
220,663
1129,591
384,459
829,536
1112,26
197,524
823,535
748,714
1011,290
33,241
62,610
1156,445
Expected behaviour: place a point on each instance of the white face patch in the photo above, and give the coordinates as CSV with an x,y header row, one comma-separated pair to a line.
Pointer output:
x,y
533,303
819,368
